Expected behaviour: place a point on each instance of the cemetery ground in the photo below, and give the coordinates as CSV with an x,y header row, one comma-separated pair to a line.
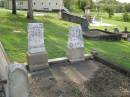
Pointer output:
x,y
89,78
13,35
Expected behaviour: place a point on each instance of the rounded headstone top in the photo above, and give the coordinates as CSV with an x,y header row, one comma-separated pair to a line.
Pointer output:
x,y
16,66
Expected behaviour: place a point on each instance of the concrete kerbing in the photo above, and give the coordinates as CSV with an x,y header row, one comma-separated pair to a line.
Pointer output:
x,y
109,37
4,70
54,61
58,60
117,67
5,55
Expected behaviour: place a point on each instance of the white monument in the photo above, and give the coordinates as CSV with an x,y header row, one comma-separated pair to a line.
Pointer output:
x,y
75,44
37,56
19,85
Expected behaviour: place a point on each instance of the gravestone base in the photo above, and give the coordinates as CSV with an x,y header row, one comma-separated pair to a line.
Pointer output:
x,y
76,54
37,61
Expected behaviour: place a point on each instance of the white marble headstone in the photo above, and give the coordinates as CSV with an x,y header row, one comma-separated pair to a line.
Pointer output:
x,y
35,38
75,37
19,86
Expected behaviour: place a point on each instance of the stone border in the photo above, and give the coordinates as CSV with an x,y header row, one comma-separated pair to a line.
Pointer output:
x,y
117,67
5,55
72,18
75,19
111,36
5,74
95,57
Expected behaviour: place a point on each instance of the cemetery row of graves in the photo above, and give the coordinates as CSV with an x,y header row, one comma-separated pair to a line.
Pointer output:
x,y
50,58
13,35
76,74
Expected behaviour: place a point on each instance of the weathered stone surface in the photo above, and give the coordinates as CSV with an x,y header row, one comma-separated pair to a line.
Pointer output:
x,y
76,54
18,76
35,38
37,61
37,57
75,44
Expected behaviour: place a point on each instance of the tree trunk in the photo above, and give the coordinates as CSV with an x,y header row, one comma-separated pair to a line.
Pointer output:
x,y
30,10
13,6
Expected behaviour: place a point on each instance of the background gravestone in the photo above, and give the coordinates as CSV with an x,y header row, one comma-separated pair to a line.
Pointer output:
x,y
75,44
84,26
18,81
37,56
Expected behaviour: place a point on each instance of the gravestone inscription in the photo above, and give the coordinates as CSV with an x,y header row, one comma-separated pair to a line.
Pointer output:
x,y
75,44
37,56
75,38
35,38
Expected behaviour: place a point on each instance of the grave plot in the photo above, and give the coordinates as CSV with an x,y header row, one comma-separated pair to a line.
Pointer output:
x,y
81,79
96,34
78,75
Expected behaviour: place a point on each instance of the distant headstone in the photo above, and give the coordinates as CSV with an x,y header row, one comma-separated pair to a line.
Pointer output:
x,y
19,86
84,26
37,56
75,44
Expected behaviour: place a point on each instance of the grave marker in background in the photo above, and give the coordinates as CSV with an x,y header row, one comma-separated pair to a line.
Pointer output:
x,y
37,56
75,44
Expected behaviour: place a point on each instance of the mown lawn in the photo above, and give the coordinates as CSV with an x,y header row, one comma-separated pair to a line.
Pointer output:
x,y
13,35
117,19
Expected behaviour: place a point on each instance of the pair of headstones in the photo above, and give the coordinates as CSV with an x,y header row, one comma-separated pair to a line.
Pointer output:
x,y
37,55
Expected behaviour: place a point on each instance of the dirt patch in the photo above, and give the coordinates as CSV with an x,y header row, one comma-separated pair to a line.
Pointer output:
x,y
84,79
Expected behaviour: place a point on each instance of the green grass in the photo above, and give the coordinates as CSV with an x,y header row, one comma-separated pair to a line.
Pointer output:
x,y
116,19
13,35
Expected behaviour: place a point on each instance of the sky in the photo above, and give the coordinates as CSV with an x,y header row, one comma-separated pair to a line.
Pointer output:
x,y
127,1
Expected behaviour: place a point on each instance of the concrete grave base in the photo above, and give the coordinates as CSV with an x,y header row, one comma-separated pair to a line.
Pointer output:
x,y
76,54
37,61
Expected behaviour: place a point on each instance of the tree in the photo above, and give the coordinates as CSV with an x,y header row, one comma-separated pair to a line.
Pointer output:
x,y
30,10
126,17
108,6
127,7
110,11
67,4
13,6
85,3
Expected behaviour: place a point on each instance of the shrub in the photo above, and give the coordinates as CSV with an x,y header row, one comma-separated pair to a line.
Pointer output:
x,y
126,17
